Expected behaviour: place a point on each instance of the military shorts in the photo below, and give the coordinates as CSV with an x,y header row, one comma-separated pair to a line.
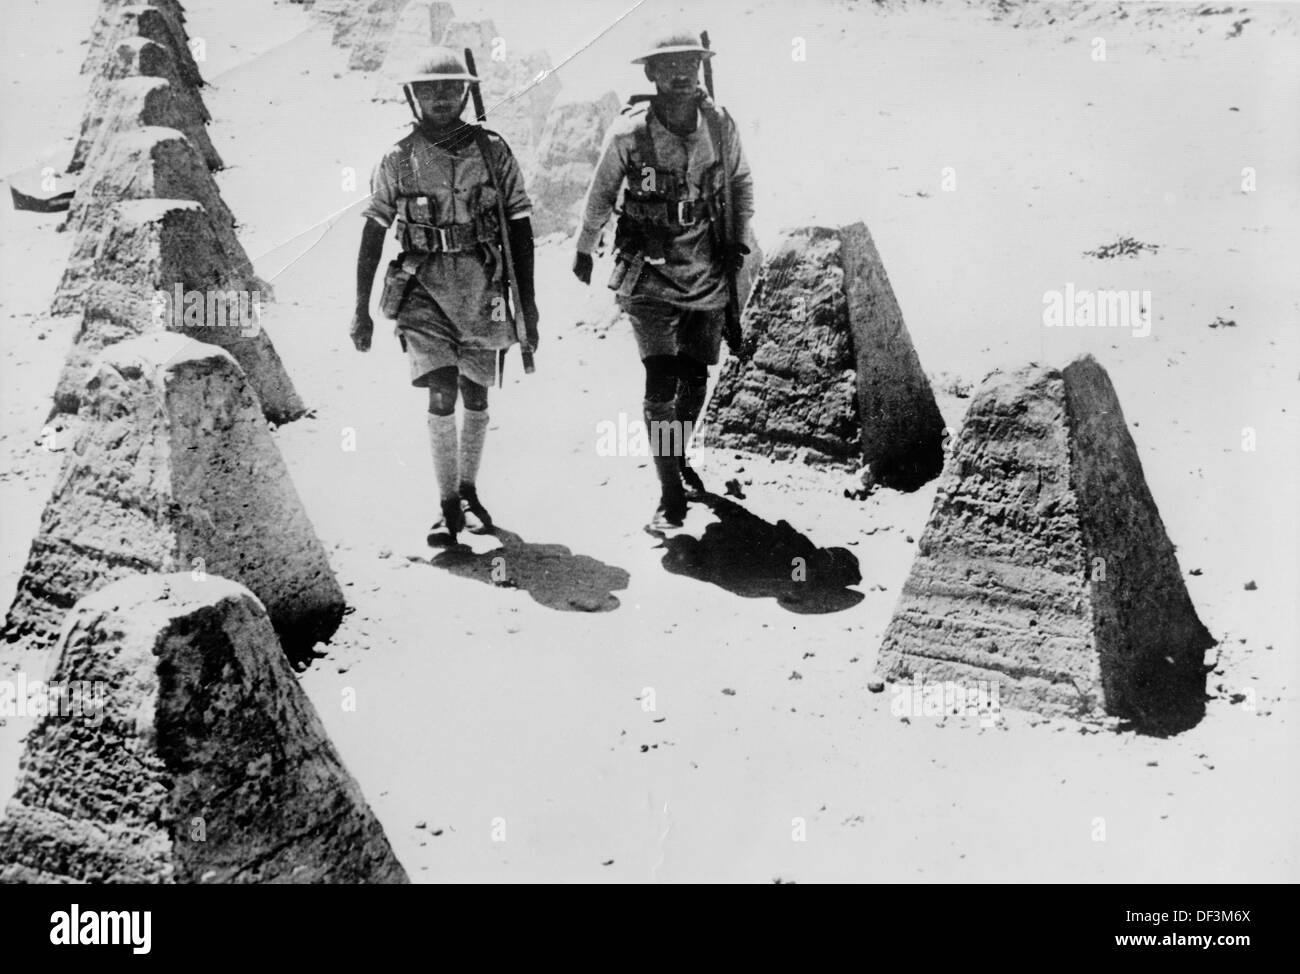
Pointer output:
x,y
432,342
665,329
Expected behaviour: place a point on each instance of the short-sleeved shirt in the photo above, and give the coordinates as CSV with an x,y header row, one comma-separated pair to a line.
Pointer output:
x,y
454,177
691,276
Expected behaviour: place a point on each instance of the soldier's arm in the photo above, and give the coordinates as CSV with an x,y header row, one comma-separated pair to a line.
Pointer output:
x,y
603,192
519,210
372,248
742,182
379,213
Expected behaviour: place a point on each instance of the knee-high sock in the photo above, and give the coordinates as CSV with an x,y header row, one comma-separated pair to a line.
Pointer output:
x,y
670,478
473,431
690,400
446,453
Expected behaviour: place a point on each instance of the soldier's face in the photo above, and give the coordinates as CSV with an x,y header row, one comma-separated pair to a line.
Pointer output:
x,y
441,101
674,74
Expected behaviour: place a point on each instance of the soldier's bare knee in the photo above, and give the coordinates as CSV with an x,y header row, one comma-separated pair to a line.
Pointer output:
x,y
442,391
474,394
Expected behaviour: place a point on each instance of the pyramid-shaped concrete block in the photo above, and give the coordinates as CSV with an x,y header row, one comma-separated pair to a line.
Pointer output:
x,y
419,26
133,102
1045,566
477,35
184,751
833,378
518,91
151,162
372,34
341,15
174,469
150,245
161,21
566,158
165,263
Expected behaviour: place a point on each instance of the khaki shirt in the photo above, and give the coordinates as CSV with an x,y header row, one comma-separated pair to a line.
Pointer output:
x,y
466,286
693,280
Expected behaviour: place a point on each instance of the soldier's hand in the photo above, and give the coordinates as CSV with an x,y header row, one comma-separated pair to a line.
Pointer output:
x,y
582,267
531,318
733,258
363,328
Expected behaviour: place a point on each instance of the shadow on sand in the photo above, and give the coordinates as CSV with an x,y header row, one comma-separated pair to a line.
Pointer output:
x,y
746,555
552,574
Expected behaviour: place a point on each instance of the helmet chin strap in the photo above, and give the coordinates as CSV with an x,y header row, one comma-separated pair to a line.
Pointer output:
x,y
418,112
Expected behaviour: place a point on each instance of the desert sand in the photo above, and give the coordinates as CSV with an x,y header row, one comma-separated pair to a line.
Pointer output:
x,y
504,732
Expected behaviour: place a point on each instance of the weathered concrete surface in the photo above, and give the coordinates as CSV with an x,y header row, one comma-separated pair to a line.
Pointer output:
x,y
132,102
342,15
388,35
371,33
174,469
516,106
144,163
420,26
750,271
207,763
1045,566
834,378
152,244
149,163
161,21
902,431
566,157
126,275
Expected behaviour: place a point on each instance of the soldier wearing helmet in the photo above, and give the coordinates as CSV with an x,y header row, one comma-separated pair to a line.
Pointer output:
x,y
446,287
664,155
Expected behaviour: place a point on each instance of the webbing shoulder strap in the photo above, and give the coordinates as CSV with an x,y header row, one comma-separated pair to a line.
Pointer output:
x,y
645,142
406,166
485,150
713,121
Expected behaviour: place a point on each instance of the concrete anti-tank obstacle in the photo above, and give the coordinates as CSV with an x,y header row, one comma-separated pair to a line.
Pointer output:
x,y
186,753
566,157
136,101
151,162
1045,566
517,107
834,378
372,33
420,25
174,469
161,21
170,267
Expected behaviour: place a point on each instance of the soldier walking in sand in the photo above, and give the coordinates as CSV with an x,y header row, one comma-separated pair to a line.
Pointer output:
x,y
446,289
665,152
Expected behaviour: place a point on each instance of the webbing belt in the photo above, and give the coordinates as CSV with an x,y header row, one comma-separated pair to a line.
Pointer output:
x,y
682,213
450,238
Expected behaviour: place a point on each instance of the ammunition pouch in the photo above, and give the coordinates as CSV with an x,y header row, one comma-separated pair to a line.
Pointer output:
x,y
450,238
649,221
658,205
418,233
397,285
627,271
648,226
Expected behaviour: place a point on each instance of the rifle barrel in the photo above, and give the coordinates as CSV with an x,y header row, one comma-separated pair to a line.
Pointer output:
x,y
727,229
708,68
480,113
512,280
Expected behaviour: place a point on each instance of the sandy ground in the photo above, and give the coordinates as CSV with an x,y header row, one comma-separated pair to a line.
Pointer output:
x,y
502,732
